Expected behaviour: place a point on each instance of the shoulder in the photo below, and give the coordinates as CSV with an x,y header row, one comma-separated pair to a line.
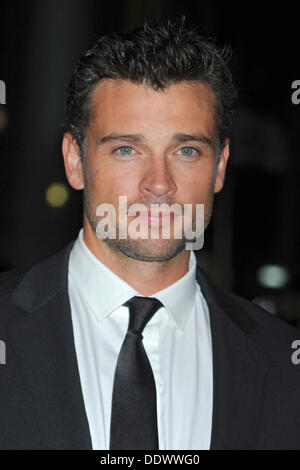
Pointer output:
x,y
249,324
9,280
29,287
262,317
274,336
244,313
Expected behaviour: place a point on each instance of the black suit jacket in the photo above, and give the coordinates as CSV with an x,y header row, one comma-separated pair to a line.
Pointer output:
x,y
256,387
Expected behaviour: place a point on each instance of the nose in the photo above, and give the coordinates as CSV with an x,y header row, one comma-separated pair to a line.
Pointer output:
x,y
157,179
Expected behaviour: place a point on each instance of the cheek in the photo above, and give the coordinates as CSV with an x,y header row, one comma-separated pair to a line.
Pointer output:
x,y
106,185
198,187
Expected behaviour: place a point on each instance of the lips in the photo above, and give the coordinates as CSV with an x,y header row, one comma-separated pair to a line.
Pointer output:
x,y
155,218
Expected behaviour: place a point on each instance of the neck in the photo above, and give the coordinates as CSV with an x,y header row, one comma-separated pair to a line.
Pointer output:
x,y
147,277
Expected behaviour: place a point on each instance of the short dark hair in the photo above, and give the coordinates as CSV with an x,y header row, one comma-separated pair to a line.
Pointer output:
x,y
157,55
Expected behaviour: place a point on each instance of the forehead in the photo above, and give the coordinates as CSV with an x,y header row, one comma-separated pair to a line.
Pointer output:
x,y
125,106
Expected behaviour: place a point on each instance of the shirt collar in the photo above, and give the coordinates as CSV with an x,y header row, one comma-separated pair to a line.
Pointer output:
x,y
104,291
179,297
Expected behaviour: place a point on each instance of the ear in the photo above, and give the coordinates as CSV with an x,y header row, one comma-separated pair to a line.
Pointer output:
x,y
220,175
72,161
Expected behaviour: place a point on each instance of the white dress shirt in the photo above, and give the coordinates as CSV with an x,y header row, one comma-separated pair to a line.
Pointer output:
x,y
177,341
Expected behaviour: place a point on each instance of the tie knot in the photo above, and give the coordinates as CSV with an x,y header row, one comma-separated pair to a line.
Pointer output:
x,y
141,310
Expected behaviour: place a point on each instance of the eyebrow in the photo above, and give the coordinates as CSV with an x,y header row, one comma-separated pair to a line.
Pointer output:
x,y
197,138
139,138
133,138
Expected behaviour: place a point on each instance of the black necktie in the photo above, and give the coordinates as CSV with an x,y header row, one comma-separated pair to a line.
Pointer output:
x,y
133,414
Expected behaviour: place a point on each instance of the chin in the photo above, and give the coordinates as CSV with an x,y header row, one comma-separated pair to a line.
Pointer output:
x,y
147,250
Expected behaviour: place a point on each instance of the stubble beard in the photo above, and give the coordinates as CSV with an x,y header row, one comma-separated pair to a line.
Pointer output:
x,y
150,250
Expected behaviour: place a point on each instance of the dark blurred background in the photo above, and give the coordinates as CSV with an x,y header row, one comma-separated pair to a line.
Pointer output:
x,y
252,244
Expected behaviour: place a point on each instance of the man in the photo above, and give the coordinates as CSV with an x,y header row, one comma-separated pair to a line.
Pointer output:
x,y
148,117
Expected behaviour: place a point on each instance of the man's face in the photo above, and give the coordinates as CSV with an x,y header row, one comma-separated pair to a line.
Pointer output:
x,y
153,147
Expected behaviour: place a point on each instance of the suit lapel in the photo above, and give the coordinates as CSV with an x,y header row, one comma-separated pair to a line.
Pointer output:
x,y
45,346
239,370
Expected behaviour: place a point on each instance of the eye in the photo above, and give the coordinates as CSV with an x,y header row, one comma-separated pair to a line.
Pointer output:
x,y
188,151
124,150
